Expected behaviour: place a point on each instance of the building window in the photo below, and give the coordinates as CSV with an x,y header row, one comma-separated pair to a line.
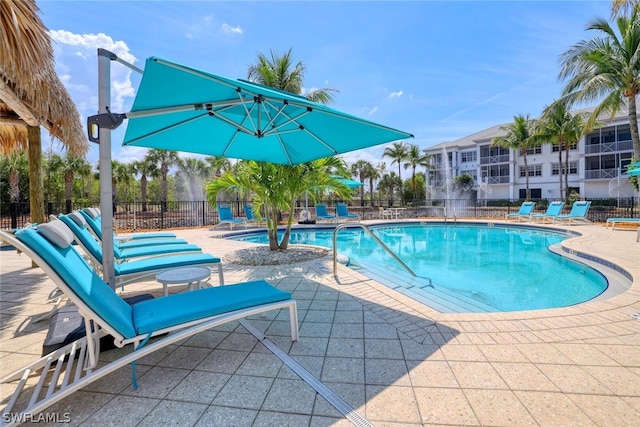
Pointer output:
x,y
534,170
534,150
468,156
536,193
555,148
555,168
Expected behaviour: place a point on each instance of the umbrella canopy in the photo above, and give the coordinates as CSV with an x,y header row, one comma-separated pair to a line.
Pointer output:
x,y
185,109
634,164
348,182
634,172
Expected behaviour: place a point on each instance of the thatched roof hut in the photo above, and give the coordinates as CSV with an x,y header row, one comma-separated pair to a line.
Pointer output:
x,y
31,94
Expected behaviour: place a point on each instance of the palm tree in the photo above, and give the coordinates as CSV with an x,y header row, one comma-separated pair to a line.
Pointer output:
x,y
619,7
274,188
415,157
398,152
163,159
519,137
120,174
15,161
371,173
145,168
562,128
359,169
606,69
389,183
72,165
217,164
280,73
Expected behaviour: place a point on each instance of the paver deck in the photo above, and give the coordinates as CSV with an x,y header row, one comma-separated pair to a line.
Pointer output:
x,y
393,360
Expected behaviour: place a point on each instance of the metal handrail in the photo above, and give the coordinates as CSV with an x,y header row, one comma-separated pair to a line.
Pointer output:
x,y
366,229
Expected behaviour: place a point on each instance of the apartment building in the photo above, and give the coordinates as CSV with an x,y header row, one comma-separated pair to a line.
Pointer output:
x,y
596,165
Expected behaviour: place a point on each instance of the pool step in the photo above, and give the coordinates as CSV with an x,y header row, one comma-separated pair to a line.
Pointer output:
x,y
422,289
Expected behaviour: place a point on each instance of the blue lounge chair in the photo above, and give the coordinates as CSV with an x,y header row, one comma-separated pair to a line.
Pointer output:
x,y
251,215
226,217
578,213
92,216
343,212
85,239
171,319
322,214
523,213
143,269
553,210
614,221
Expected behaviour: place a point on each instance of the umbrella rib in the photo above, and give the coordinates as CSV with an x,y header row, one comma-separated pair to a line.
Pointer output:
x,y
165,129
180,108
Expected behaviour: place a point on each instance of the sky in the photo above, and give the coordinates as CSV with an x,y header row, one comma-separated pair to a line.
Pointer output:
x,y
440,70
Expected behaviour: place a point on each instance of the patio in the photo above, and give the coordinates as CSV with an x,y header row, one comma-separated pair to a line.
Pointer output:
x,y
364,348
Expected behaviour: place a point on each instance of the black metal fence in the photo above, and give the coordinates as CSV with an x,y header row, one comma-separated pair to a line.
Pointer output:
x,y
189,214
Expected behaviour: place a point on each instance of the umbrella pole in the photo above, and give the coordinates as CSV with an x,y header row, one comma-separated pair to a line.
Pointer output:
x,y
106,191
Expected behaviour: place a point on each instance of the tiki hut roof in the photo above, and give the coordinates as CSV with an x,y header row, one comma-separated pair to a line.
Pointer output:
x,y
30,91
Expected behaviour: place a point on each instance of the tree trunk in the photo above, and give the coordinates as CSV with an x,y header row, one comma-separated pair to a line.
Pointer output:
x,y
14,186
371,191
633,124
560,144
143,192
567,147
36,190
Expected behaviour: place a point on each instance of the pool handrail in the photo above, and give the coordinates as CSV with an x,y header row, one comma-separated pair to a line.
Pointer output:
x,y
382,245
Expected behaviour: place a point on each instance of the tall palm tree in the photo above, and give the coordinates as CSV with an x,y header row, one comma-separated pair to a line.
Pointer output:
x,y
359,169
71,167
562,128
280,72
15,161
121,173
145,168
606,69
217,164
415,157
371,173
389,183
398,153
519,137
163,159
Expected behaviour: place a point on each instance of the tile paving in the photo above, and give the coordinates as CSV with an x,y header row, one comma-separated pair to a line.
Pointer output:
x,y
393,360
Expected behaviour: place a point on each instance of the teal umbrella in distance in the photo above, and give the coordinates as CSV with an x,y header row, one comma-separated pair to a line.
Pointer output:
x,y
348,182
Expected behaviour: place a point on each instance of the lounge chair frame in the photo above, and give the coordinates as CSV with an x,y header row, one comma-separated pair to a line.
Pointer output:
x,y
71,374
524,212
342,212
614,221
226,217
323,215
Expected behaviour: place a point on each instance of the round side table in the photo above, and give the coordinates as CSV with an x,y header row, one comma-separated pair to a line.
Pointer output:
x,y
183,275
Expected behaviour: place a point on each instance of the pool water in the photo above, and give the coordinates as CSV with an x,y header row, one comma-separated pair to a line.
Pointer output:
x,y
464,268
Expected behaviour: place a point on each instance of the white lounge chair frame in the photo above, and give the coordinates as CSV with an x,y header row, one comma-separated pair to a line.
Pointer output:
x,y
70,374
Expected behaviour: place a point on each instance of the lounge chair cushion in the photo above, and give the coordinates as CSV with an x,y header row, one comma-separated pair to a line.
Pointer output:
x,y
57,233
78,219
154,315
170,261
92,212
85,283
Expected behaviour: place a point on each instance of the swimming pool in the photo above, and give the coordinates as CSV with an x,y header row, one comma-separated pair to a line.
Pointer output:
x,y
465,268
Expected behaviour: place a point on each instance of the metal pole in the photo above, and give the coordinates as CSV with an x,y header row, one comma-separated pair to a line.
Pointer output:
x,y
106,191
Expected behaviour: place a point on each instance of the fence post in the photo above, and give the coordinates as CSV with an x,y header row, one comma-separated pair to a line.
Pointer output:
x,y
14,214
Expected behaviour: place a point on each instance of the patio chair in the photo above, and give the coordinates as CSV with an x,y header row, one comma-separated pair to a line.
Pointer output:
x,y
578,214
170,319
251,215
77,224
385,213
226,217
553,210
614,221
93,218
523,213
343,212
143,269
322,214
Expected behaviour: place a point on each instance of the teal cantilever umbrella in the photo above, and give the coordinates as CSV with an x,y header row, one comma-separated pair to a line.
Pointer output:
x,y
185,109
636,169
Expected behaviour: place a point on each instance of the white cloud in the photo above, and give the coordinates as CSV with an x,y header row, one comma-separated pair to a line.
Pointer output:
x,y
226,28
397,94
75,56
373,111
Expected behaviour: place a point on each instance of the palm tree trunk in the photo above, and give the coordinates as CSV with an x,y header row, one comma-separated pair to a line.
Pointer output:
x,y
371,191
143,192
526,175
560,145
285,239
36,190
633,124
14,185
567,147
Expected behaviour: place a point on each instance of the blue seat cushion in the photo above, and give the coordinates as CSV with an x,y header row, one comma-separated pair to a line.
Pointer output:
x,y
159,313
165,262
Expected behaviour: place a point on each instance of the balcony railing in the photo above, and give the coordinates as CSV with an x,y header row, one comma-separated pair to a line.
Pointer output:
x,y
608,147
601,174
503,158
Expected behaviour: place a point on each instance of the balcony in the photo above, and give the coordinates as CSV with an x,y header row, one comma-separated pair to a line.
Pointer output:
x,y
486,160
609,147
601,173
